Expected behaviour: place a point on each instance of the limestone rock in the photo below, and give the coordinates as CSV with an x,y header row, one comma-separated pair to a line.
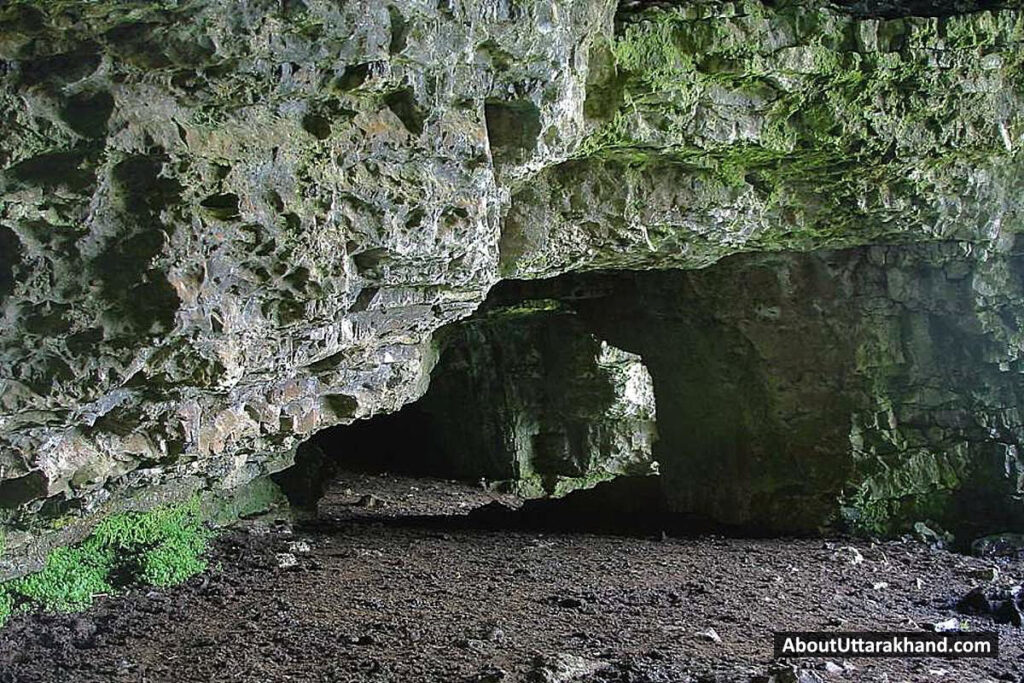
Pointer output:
x,y
227,225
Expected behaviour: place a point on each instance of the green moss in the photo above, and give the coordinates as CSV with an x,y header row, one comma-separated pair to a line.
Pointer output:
x,y
70,579
6,605
897,492
164,546
161,547
173,560
566,485
872,515
257,496
134,530
831,109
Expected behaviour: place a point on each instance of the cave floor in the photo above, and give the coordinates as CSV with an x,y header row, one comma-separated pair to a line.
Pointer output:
x,y
376,599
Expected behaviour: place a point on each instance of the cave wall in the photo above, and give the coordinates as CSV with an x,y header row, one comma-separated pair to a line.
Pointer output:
x,y
748,126
225,225
867,388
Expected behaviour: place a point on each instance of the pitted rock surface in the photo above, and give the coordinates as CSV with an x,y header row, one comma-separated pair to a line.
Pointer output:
x,y
227,225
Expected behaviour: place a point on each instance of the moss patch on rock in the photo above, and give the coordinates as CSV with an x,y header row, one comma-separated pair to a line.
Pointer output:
x,y
832,119
794,78
161,547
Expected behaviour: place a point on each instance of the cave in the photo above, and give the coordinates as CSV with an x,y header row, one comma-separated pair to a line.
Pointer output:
x,y
540,341
798,392
523,398
770,374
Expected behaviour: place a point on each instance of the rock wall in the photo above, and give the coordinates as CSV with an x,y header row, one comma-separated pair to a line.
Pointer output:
x,y
868,388
734,126
225,225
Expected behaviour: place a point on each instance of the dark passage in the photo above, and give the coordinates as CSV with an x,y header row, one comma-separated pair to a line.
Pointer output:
x,y
524,400
404,442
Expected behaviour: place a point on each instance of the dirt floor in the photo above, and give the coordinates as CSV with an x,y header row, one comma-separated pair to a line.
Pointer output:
x,y
369,595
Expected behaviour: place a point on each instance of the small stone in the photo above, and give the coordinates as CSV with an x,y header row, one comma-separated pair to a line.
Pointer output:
x,y
371,502
879,585
470,644
848,554
937,538
791,674
710,635
562,668
258,529
945,626
833,668
490,675
984,573
286,560
298,547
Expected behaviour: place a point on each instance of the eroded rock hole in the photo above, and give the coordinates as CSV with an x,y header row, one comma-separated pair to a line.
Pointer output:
x,y
513,129
317,126
402,104
10,257
399,31
137,293
353,76
60,68
222,206
53,170
87,113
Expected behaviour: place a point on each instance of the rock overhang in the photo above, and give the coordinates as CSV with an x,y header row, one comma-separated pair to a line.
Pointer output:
x,y
227,225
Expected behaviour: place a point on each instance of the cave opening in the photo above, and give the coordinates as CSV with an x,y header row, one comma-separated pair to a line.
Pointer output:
x,y
788,390
524,401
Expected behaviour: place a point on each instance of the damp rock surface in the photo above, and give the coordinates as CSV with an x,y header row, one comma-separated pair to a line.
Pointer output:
x,y
225,226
